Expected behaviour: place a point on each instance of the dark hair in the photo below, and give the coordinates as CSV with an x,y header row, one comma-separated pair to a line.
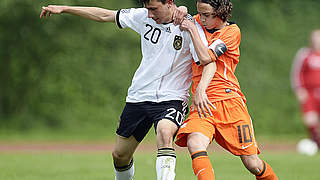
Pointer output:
x,y
222,8
147,1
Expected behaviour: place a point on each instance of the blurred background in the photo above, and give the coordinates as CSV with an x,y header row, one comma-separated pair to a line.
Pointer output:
x,y
67,77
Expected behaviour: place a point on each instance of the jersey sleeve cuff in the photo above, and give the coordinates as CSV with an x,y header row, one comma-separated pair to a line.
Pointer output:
x,y
118,19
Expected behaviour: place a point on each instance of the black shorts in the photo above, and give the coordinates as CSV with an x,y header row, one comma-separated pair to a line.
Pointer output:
x,y
137,118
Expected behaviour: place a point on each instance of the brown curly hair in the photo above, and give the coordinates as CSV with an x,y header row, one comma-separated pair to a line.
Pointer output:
x,y
222,8
147,1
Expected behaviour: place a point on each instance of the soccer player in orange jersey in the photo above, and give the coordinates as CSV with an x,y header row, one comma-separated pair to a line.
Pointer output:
x,y
218,111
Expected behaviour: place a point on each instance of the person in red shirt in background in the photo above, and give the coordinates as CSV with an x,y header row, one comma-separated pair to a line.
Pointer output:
x,y
305,78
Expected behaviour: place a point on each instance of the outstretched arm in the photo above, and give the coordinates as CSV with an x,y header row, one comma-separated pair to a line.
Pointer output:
x,y
92,13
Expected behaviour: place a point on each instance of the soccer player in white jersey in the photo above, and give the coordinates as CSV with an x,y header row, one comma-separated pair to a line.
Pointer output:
x,y
159,91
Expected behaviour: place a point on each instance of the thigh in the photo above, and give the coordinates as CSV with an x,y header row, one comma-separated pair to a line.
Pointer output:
x,y
237,134
134,121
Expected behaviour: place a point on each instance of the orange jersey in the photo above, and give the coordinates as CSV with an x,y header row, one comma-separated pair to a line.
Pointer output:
x,y
224,84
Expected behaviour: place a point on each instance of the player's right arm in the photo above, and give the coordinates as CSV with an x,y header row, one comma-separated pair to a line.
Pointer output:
x,y
92,13
200,100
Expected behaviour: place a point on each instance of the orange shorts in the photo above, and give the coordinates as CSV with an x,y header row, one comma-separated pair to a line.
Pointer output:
x,y
230,126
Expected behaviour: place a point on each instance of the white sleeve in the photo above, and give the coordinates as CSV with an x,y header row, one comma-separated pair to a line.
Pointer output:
x,y
193,52
132,18
204,41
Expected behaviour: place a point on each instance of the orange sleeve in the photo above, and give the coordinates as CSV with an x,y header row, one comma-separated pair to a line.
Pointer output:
x,y
231,37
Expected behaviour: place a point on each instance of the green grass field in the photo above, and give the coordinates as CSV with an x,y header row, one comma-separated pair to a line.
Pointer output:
x,y
98,166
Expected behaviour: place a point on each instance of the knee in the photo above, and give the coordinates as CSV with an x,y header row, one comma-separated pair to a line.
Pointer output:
x,y
165,132
165,136
119,157
193,141
311,118
253,164
197,142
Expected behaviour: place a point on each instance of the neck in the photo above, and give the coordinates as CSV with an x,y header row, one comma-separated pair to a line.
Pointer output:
x,y
217,27
221,25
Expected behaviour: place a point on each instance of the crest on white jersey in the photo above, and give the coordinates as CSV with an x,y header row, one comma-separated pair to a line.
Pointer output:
x,y
177,43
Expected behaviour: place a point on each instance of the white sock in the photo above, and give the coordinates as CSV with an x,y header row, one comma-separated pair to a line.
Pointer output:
x,y
165,164
125,172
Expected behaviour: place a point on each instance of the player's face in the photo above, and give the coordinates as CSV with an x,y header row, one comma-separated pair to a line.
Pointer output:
x,y
207,17
159,12
315,40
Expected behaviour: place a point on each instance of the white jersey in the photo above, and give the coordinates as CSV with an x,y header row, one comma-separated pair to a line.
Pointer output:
x,y
165,70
